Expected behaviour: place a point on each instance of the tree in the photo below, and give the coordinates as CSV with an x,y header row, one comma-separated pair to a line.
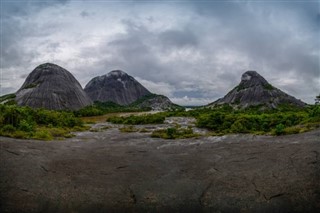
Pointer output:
x,y
317,100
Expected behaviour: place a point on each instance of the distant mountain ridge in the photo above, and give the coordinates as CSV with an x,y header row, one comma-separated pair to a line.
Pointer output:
x,y
254,90
52,87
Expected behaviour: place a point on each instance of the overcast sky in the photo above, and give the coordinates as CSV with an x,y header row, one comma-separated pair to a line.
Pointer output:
x,y
194,52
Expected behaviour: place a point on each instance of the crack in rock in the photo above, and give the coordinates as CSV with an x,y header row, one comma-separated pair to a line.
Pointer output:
x,y
12,152
44,168
132,196
256,188
204,193
276,195
263,195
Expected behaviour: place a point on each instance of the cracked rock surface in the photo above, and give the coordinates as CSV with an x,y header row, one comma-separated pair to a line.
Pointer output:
x,y
109,171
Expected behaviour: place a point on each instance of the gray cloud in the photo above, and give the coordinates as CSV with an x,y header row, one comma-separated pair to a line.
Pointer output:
x,y
193,52
178,38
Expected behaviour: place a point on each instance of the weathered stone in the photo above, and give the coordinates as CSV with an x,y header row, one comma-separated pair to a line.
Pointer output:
x,y
108,171
116,86
52,87
156,102
254,90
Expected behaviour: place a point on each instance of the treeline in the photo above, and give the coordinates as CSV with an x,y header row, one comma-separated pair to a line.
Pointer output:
x,y
157,118
25,122
101,108
285,120
226,120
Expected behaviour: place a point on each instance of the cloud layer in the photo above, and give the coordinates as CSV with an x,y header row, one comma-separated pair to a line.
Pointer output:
x,y
194,52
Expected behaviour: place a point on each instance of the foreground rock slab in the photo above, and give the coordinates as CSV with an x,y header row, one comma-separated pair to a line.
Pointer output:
x,y
109,171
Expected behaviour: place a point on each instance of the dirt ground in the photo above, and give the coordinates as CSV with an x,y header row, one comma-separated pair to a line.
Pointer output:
x,y
110,171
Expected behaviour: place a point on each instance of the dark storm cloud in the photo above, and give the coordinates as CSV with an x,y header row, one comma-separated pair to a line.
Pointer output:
x,y
193,51
178,38
84,14
278,38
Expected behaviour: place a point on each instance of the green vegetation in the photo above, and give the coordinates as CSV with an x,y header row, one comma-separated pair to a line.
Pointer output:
x,y
285,120
8,99
317,99
157,118
25,122
33,85
225,120
174,133
240,87
101,108
268,87
143,99
129,129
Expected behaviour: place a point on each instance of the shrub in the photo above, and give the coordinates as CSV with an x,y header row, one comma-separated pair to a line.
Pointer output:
x,y
174,133
24,122
20,134
26,126
279,130
292,130
42,135
8,128
136,120
128,129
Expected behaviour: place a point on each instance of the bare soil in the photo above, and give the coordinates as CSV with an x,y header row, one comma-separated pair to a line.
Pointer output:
x,y
110,171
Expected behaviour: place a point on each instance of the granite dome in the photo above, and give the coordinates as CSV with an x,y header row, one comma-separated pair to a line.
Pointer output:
x,y
52,87
116,86
254,90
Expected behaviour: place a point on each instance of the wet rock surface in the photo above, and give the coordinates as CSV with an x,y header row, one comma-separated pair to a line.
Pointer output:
x,y
110,171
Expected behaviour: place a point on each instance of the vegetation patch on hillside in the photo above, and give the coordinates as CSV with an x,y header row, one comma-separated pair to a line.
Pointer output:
x,y
102,108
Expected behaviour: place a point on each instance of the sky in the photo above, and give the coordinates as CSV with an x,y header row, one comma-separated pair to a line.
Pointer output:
x,y
194,52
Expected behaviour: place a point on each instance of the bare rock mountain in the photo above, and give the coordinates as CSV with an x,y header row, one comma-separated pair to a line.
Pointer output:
x,y
116,86
52,87
254,90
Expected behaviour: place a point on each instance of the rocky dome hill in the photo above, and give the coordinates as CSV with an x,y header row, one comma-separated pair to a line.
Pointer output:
x,y
116,86
120,88
254,90
52,87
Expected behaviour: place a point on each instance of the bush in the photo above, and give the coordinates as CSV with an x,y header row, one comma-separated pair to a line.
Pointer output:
x,y
293,130
24,122
43,135
137,120
279,130
128,129
174,133
8,128
20,134
26,126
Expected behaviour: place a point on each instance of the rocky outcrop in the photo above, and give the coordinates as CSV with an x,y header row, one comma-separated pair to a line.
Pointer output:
x,y
254,90
116,86
156,103
52,87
